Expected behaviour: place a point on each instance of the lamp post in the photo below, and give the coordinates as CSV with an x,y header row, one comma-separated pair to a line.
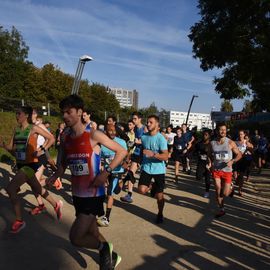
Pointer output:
x,y
190,105
78,75
211,115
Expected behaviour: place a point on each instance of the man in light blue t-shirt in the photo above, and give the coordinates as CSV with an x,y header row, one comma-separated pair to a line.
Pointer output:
x,y
155,153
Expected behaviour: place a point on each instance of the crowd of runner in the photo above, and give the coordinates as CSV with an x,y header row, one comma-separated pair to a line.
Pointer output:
x,y
105,160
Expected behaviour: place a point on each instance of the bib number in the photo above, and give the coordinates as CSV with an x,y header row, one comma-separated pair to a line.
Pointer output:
x,y
79,167
222,156
203,157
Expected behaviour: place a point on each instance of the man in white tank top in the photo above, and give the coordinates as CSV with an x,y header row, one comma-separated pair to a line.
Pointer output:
x,y
221,161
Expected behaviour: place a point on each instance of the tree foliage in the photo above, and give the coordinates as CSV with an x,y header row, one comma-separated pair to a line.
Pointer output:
x,y
234,36
226,106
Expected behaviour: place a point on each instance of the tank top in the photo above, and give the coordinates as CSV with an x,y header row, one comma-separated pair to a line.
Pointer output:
x,y
84,165
222,154
241,146
25,145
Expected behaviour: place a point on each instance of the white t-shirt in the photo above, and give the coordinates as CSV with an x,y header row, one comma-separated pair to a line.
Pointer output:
x,y
170,137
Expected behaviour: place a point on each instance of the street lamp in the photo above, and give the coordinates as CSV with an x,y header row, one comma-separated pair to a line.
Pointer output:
x,y
78,75
190,105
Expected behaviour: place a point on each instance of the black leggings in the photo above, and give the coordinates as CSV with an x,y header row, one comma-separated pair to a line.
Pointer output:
x,y
203,172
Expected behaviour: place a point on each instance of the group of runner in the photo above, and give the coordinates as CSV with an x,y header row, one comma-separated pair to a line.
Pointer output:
x,y
104,162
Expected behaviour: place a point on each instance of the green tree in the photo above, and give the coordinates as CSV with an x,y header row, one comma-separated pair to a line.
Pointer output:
x,y
13,55
102,102
234,36
226,106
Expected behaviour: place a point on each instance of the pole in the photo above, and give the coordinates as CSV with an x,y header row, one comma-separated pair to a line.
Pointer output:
x,y
78,74
49,110
190,105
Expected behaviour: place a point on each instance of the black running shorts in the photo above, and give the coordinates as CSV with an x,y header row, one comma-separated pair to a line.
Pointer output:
x,y
89,206
145,179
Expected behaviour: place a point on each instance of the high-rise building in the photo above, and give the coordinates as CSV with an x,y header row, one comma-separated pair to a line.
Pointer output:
x,y
126,98
199,120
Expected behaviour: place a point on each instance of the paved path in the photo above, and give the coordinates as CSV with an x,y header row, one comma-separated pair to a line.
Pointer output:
x,y
190,237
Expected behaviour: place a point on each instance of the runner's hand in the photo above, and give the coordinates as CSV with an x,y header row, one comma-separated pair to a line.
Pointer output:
x,y
100,179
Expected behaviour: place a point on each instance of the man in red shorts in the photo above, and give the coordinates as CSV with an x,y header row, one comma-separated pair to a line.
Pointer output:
x,y
221,156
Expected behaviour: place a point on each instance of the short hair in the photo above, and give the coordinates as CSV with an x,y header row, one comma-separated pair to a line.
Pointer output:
x,y
72,101
88,111
153,116
208,131
221,124
113,118
131,121
138,114
27,110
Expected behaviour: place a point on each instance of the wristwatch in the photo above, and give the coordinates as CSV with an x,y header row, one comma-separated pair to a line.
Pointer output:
x,y
108,169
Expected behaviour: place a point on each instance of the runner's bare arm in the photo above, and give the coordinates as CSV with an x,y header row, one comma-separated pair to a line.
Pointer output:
x,y
120,153
238,154
61,169
48,136
163,156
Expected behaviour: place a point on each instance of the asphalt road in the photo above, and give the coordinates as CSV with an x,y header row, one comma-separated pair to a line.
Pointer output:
x,y
189,238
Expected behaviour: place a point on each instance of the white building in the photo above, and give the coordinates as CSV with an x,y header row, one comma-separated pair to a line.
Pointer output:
x,y
199,120
126,98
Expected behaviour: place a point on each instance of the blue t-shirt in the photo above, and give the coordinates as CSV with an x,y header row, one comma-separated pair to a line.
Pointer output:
x,y
157,144
108,155
138,134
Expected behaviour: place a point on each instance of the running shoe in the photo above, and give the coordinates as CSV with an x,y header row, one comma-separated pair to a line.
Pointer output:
x,y
105,256
58,209
220,213
127,199
159,219
206,195
116,259
38,210
103,222
17,226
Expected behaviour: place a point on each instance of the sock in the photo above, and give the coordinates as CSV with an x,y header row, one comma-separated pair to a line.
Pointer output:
x,y
130,193
108,213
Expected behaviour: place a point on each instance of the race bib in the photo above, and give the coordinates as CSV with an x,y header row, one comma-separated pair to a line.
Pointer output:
x,y
79,167
179,147
203,157
221,156
20,155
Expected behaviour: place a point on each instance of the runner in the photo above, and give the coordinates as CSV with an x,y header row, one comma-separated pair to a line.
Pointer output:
x,y
113,187
189,140
221,156
155,153
262,151
202,148
87,181
179,151
136,157
249,157
24,146
242,166
87,120
170,139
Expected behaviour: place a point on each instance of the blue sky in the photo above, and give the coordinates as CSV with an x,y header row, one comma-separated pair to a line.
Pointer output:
x,y
140,45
